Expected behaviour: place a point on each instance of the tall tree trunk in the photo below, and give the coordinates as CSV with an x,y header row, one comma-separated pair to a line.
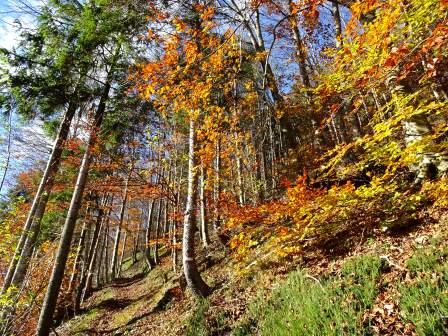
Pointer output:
x,y
192,276
113,264
203,214
239,170
8,150
157,232
123,250
135,245
300,46
217,187
148,234
100,263
39,202
337,23
90,260
106,254
177,209
54,285
78,257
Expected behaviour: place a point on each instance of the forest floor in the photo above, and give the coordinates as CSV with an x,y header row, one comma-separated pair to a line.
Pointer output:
x,y
411,272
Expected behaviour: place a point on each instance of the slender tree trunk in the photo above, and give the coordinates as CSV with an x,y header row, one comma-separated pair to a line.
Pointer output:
x,y
28,247
192,276
106,255
148,234
8,151
217,186
202,201
177,207
51,296
104,262
337,23
157,232
100,263
113,265
38,205
78,257
90,260
135,238
300,46
123,250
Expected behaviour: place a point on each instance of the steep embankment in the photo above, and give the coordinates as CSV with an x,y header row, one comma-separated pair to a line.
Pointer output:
x,y
393,284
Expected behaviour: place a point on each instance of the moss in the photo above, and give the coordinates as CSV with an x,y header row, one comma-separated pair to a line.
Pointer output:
x,y
104,295
83,322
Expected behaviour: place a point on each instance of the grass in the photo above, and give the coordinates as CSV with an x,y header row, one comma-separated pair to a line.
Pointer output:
x,y
304,306
424,299
196,324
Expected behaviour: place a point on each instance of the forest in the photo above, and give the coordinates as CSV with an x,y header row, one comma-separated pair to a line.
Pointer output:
x,y
224,167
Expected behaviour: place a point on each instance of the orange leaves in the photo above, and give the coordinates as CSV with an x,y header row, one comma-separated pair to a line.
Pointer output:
x,y
270,220
396,55
207,13
301,194
179,25
294,8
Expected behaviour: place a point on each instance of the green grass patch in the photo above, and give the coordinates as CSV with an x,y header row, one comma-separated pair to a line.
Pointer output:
x,y
332,306
196,324
424,299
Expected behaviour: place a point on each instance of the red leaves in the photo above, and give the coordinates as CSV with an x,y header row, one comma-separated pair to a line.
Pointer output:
x,y
396,55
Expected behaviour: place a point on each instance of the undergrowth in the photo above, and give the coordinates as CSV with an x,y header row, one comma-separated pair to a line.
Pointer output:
x,y
424,298
303,305
196,324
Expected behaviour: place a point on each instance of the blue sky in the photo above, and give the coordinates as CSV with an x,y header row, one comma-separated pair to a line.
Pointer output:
x,y
9,18
29,145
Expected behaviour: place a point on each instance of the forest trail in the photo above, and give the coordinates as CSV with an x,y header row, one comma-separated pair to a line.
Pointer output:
x,y
117,308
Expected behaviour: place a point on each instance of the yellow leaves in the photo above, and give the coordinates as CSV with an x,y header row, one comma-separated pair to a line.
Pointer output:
x,y
438,192
179,25
261,56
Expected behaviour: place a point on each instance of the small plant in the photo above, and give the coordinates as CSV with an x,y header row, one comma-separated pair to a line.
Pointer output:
x,y
196,325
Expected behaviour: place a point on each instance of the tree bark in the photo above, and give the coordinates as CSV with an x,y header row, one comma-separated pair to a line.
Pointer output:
x,y
300,46
157,232
113,264
217,187
84,284
203,213
192,276
337,23
77,262
148,234
123,250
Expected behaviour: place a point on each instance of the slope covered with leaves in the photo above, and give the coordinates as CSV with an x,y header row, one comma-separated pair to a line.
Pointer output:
x,y
389,284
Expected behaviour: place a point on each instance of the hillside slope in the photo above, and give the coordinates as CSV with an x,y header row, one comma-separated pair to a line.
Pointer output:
x,y
395,284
